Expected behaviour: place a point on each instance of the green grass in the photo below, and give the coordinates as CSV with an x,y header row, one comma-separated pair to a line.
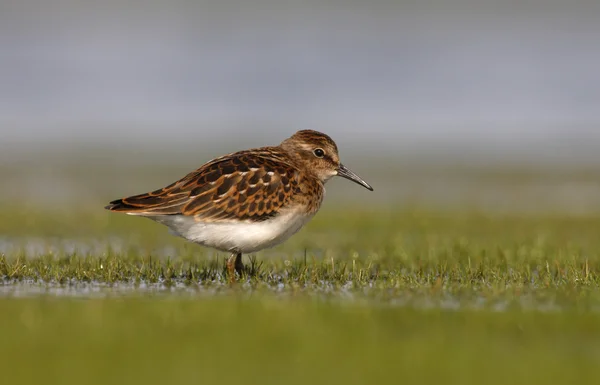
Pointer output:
x,y
373,296
468,257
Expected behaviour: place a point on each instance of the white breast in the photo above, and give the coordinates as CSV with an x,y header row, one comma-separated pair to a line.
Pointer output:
x,y
244,237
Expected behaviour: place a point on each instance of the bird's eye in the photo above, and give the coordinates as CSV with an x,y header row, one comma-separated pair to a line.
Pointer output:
x,y
319,153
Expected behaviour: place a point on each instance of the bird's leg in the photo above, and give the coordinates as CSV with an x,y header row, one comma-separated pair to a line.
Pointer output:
x,y
234,264
239,266
230,265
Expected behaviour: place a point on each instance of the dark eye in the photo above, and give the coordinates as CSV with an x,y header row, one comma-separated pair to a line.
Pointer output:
x,y
319,153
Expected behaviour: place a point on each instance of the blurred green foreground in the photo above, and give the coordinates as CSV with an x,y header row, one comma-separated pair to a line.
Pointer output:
x,y
134,340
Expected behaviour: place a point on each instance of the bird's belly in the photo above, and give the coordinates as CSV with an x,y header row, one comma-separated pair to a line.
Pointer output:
x,y
244,237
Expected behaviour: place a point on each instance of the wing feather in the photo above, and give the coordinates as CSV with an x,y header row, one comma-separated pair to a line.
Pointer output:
x,y
249,185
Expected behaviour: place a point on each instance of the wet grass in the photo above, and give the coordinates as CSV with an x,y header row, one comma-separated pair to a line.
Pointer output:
x,y
451,280
377,253
374,296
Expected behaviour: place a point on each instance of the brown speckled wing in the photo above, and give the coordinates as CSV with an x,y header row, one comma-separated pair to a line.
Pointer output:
x,y
249,185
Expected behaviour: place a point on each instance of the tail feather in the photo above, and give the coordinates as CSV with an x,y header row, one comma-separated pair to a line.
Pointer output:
x,y
137,206
120,205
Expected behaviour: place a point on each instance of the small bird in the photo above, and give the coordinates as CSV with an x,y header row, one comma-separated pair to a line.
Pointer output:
x,y
249,200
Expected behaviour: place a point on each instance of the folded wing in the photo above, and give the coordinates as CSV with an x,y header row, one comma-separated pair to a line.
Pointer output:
x,y
248,185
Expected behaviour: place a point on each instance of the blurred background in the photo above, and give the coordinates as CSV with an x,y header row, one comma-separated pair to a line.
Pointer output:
x,y
491,105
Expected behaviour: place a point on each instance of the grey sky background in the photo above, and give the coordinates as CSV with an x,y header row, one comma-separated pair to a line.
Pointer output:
x,y
516,75
105,99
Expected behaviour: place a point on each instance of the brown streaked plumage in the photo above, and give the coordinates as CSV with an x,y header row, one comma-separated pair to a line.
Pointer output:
x,y
248,200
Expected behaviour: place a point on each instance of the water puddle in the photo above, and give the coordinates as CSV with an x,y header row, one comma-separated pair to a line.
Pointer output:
x,y
417,299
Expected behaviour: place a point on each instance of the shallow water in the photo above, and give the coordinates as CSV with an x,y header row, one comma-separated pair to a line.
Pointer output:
x,y
32,247
324,291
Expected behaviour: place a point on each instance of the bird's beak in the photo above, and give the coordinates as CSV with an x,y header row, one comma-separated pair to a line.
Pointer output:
x,y
346,173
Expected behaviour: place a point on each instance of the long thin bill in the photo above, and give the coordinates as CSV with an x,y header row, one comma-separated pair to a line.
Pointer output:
x,y
346,173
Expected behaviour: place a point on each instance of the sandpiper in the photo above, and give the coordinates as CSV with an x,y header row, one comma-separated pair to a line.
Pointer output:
x,y
249,200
